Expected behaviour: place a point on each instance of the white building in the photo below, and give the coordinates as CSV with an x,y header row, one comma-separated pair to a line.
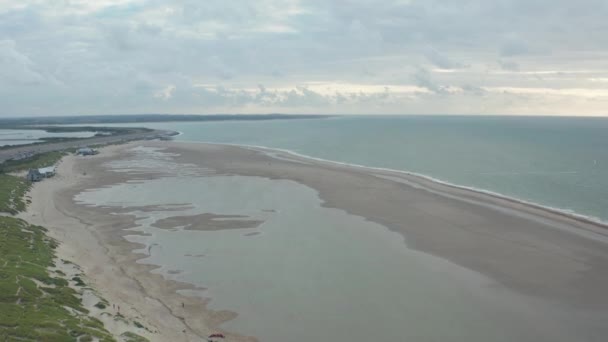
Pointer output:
x,y
47,172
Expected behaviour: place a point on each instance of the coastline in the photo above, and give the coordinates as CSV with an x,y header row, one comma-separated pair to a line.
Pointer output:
x,y
535,228
107,261
592,220
512,257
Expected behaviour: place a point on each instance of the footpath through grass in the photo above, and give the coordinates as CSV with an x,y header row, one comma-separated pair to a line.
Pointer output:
x,y
37,304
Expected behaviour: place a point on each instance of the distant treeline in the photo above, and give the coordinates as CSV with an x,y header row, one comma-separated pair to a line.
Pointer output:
x,y
105,119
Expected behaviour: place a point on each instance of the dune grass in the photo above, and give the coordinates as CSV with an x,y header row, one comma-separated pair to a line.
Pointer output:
x,y
36,304
12,193
14,188
132,337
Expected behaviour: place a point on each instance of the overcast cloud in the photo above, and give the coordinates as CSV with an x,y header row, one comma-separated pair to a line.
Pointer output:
x,y
319,56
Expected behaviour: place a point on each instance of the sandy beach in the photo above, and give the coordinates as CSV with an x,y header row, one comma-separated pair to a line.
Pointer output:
x,y
105,258
544,255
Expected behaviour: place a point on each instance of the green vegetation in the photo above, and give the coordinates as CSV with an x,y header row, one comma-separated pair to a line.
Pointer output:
x,y
79,281
132,337
118,317
12,193
34,305
101,305
13,188
33,162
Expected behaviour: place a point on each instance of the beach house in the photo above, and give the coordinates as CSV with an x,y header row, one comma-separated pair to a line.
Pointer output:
x,y
33,175
47,172
36,175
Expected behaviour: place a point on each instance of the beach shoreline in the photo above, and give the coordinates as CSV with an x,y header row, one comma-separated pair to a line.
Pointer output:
x,y
116,276
534,225
505,240
430,182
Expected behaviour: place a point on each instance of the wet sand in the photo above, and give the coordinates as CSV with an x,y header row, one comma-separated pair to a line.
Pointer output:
x,y
526,249
531,250
207,222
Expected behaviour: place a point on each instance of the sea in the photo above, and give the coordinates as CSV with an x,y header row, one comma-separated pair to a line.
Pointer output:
x,y
557,162
311,273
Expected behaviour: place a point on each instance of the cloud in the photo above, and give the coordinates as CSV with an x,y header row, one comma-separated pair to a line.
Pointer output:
x,y
473,89
508,65
422,78
129,56
514,48
16,67
440,60
165,93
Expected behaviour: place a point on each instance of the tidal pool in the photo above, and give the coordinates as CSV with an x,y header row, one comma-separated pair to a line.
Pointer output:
x,y
310,273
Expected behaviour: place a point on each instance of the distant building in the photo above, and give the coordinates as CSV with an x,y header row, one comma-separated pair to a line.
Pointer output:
x,y
33,175
86,151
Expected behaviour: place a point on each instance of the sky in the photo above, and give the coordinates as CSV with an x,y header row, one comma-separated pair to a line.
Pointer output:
x,y
519,57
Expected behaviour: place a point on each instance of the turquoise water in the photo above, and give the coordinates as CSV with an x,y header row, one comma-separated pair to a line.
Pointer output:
x,y
310,273
556,162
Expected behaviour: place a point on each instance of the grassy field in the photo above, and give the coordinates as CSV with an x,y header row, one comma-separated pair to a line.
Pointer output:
x,y
37,304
